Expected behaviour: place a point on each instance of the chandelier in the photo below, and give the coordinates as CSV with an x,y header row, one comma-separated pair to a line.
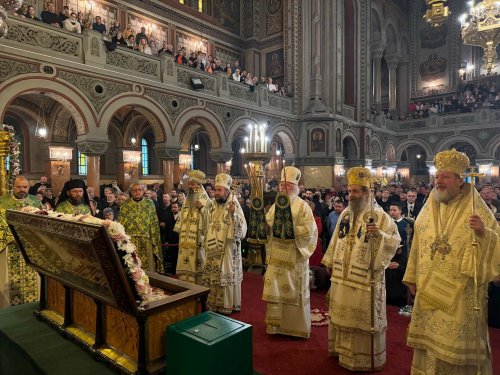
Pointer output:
x,y
481,27
437,12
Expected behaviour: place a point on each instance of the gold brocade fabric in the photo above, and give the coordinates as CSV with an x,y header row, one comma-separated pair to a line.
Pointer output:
x,y
223,271
22,280
141,223
444,321
349,257
67,208
286,282
191,225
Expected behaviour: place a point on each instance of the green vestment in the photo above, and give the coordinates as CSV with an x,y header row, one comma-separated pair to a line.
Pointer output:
x,y
18,282
67,208
141,224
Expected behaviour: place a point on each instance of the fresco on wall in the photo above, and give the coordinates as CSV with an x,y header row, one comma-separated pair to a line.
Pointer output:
x,y
227,14
274,17
274,66
190,42
433,68
434,72
433,37
318,140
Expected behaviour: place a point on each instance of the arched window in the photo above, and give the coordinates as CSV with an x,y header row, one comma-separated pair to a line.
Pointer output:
x,y
145,156
82,163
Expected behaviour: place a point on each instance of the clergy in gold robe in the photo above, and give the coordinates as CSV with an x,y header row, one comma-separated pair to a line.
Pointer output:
x,y
138,217
18,282
223,271
446,332
74,199
291,244
349,257
191,227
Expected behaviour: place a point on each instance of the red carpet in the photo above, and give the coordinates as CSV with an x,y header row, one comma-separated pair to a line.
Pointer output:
x,y
281,355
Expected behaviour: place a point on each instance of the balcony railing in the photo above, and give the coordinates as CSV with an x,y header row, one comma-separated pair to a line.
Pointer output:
x,y
89,49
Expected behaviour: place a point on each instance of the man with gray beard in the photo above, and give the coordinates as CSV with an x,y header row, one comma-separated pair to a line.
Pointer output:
x,y
191,225
455,253
361,225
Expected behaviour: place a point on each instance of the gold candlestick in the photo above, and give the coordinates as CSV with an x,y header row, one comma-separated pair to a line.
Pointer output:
x,y
4,152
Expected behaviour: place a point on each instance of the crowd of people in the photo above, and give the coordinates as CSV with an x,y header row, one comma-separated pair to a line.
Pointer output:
x,y
402,239
145,42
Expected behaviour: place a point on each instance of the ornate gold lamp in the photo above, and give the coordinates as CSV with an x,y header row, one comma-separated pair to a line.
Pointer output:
x,y
437,12
256,154
481,27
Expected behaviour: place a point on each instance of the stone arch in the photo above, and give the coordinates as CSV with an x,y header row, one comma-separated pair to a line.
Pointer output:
x,y
378,32
152,111
287,138
240,127
390,152
412,142
392,46
192,120
448,142
350,148
75,102
492,146
375,148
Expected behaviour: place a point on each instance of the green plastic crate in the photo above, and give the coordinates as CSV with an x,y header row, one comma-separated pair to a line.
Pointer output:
x,y
209,344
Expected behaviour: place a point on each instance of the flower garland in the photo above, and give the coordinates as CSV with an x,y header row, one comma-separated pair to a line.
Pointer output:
x,y
118,235
14,155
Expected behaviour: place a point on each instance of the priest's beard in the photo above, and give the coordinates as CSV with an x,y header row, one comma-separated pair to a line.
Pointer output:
x,y
357,205
221,200
444,196
192,198
76,201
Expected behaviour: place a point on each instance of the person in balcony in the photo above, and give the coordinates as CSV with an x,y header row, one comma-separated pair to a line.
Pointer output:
x,y
154,48
144,47
72,25
22,10
81,20
131,42
50,16
141,35
236,75
118,39
165,49
31,13
64,15
99,26
113,30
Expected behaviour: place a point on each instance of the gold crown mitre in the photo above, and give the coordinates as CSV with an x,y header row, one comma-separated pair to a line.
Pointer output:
x,y
291,174
196,176
451,161
359,176
224,180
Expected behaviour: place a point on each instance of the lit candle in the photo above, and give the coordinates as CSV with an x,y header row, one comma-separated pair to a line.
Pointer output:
x,y
256,138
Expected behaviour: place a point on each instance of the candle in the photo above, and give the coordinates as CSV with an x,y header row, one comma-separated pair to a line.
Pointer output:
x,y
256,138
246,144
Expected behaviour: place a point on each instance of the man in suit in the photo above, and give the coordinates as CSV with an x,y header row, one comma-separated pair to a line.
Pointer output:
x,y
412,207
171,243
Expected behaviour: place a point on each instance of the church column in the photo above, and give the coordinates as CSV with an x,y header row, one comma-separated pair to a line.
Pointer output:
x,y
377,79
293,51
403,84
316,74
392,64
432,168
93,150
168,155
221,157
339,172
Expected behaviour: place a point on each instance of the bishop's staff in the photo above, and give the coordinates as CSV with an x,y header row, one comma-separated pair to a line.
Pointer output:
x,y
473,174
372,220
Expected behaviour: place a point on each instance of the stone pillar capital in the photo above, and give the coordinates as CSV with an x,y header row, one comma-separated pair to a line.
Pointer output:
x,y
92,147
221,156
392,61
167,152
